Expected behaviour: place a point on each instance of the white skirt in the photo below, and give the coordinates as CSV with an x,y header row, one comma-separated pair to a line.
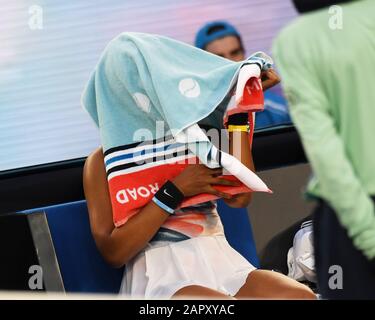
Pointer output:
x,y
207,261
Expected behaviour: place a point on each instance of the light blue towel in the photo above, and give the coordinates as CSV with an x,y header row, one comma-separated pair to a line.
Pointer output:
x,y
144,81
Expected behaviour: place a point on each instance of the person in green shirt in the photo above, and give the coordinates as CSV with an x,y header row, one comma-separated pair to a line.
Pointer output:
x,y
326,59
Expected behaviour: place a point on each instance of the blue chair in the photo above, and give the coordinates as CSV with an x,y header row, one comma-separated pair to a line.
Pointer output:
x,y
238,231
81,265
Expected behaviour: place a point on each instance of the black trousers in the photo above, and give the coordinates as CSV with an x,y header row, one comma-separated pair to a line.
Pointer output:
x,y
343,271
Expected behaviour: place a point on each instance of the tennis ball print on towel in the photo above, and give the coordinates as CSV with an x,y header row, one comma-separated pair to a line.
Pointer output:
x,y
189,88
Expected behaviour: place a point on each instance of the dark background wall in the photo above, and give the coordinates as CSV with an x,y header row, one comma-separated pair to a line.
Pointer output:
x,y
271,214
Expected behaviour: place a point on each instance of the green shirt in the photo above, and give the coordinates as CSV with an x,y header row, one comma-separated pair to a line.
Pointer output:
x,y
329,79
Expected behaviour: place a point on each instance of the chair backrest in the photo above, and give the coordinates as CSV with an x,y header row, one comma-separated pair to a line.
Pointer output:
x,y
81,265
238,231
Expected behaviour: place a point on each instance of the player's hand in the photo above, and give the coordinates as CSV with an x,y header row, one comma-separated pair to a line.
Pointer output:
x,y
269,79
198,178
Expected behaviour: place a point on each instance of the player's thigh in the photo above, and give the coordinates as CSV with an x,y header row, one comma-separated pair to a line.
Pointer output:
x,y
264,284
196,291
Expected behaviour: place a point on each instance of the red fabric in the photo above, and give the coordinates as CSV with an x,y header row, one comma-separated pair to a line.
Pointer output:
x,y
131,191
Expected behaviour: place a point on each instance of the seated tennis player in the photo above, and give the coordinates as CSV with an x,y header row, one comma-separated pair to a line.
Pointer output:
x,y
176,253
